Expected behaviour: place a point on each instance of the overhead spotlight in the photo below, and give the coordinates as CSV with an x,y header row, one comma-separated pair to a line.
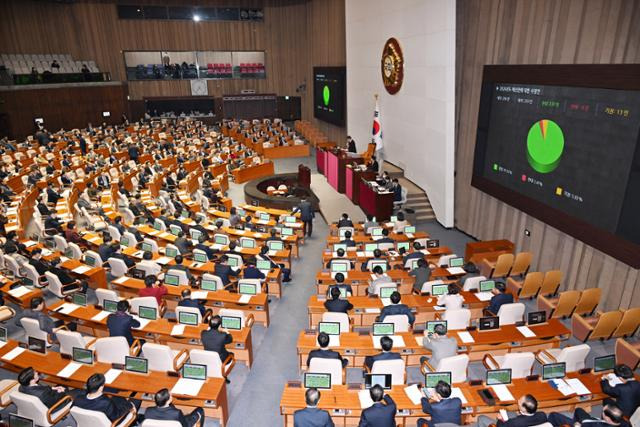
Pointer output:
x,y
196,18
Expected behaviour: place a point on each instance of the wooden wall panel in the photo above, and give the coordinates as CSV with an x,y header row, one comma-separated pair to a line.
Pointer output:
x,y
538,32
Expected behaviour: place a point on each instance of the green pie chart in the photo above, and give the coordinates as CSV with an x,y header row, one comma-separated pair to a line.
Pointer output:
x,y
326,95
545,144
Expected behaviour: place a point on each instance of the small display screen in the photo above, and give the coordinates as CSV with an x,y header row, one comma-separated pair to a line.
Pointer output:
x,y
171,252
431,379
330,328
431,325
185,318
499,376
247,289
231,322
488,323
553,370
147,312
82,355
383,329
172,280
79,299
208,285
437,290
386,291
604,363
317,380
383,380
487,285
536,317
110,306
200,257
136,364
194,371
456,262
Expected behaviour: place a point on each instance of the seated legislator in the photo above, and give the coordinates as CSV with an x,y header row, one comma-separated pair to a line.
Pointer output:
x,y
345,221
369,223
214,340
251,272
385,237
401,223
311,416
45,322
339,278
264,256
187,301
387,345
440,345
340,253
381,279
396,308
121,322
49,396
114,407
500,297
452,300
627,394
165,411
443,409
70,234
179,259
416,254
324,352
377,256
204,248
336,304
422,274
147,264
153,288
528,415
611,416
224,271
348,240
380,414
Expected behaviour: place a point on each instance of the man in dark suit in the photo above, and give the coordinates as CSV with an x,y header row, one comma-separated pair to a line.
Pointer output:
x,y
183,245
52,195
49,396
417,247
385,237
52,223
116,252
351,145
340,257
627,394
117,223
324,352
37,263
113,407
223,271
377,256
387,345
121,322
528,415
311,416
380,414
397,190
345,221
204,248
43,208
264,256
347,240
200,228
214,340
179,266
611,416
499,298
444,409
133,152
339,278
186,301
335,304
251,272
164,410
104,250
306,215
396,308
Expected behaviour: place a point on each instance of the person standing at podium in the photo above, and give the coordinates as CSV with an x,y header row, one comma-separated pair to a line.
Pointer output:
x,y
351,145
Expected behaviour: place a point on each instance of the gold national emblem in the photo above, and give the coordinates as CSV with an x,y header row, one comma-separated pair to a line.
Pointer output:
x,y
392,66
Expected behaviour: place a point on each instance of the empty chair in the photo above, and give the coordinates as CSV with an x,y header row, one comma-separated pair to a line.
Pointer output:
x,y
163,358
528,287
70,339
574,356
61,243
183,279
12,265
500,268
32,329
106,294
511,313
457,365
86,417
31,407
114,349
342,318
589,300
30,272
561,306
400,322
628,353
520,364
599,327
55,286
138,302
211,359
118,267
551,282
114,232
521,264
321,365
92,258
629,323
457,319
395,367
472,283
245,320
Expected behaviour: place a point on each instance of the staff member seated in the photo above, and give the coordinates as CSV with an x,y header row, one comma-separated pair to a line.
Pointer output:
x,y
324,352
347,240
377,256
444,409
380,414
387,345
611,416
214,340
121,322
164,410
114,407
500,297
452,300
45,322
385,237
49,396
339,257
186,301
153,288
311,415
335,304
527,407
396,308
440,346
422,273
627,394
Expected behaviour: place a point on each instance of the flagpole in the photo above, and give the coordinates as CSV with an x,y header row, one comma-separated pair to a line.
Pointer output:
x,y
378,153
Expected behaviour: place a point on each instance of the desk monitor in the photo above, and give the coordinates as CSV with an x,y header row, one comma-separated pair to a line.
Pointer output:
x,y
263,264
138,273
208,285
194,371
110,306
157,225
248,243
487,285
247,289
341,233
147,312
275,245
37,345
171,279
431,379
434,243
82,355
329,328
231,322
604,363
320,381
409,229
232,261
185,318
286,231
3,334
264,216
488,323
456,262
290,219
380,329
18,421
536,317
554,370
337,246
200,257
195,234
393,218
339,267
341,288
431,325
370,247
124,242
184,214
376,231
383,380
241,212
382,264
138,365
404,245
68,252
437,290
89,260
386,291
175,230
79,298
220,240
498,376
147,247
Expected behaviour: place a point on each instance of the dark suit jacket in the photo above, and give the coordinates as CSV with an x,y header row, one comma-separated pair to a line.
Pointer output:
x,y
216,341
120,325
192,303
105,252
46,394
223,272
524,421
338,305
312,417
112,408
392,309
326,354
128,261
627,395
349,243
253,273
40,266
368,361
345,223
498,300
379,415
306,211
210,252
445,411
170,413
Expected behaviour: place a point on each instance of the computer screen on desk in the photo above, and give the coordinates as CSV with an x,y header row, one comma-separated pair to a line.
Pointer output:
x,y
200,257
431,325
220,240
171,279
286,231
110,306
553,370
208,285
409,229
37,345
437,290
433,243
82,355
536,317
380,329
402,245
387,291
338,246
498,376
138,365
79,299
147,312
195,234
147,247
330,328
487,285
431,379
339,266
186,318
275,245
381,264
376,231
194,371
248,243
232,261
383,380
231,322
488,323
370,247
604,363
313,380
456,262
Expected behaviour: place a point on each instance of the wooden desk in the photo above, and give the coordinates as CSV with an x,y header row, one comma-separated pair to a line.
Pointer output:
x,y
24,300
212,397
245,174
375,204
281,152
361,238
360,257
487,249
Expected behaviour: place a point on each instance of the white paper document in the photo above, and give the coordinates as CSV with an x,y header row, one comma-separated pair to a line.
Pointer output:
x,y
465,337
30,243
244,299
111,375
456,270
439,308
163,260
177,330
143,322
385,301
365,399
188,387
100,316
398,341
457,392
121,280
524,330
69,370
562,386
199,294
613,379
373,310
414,394
19,291
484,296
419,340
13,353
67,308
82,269
578,387
502,393
334,340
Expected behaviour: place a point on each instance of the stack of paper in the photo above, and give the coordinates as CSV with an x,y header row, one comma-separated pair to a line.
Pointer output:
x,y
372,310
457,392
163,260
121,280
244,299
578,387
465,337
13,353
143,322
528,333
67,308
69,370
19,291
456,270
484,296
100,316
334,340
502,393
365,399
385,301
187,387
177,330
199,294
562,386
111,375
414,394
82,269
613,379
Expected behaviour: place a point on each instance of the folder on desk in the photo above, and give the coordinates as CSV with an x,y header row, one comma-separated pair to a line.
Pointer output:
x,y
199,294
111,375
120,280
466,337
19,291
502,393
163,260
13,354
100,316
524,330
456,270
82,269
69,370
177,330
244,299
414,394
187,387
578,387
365,399
67,308
484,296
372,310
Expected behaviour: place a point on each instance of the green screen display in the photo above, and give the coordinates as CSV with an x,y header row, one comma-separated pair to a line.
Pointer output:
x,y
317,380
499,376
431,379
330,328
383,329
